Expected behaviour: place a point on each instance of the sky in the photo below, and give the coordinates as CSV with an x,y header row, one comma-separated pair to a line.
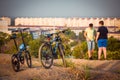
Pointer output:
x,y
60,8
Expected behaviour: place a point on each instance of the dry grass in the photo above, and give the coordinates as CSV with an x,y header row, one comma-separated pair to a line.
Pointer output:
x,y
76,70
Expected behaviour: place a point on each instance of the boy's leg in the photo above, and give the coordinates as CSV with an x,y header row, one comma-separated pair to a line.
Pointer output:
x,y
104,48
89,53
99,53
93,47
100,48
89,49
104,51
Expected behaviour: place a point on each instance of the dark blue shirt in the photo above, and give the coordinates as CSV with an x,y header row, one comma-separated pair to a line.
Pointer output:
x,y
103,32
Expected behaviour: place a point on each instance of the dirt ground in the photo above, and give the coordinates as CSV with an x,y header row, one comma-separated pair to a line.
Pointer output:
x,y
82,70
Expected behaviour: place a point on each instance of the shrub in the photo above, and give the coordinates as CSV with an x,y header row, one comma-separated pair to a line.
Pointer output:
x,y
34,47
73,43
113,44
4,38
35,44
69,63
80,50
67,49
70,34
113,55
81,36
65,42
8,45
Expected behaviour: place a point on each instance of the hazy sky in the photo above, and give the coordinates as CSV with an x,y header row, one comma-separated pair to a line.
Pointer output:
x,y
60,8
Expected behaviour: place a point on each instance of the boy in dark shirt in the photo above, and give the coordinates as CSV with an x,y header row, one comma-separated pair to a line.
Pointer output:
x,y
101,39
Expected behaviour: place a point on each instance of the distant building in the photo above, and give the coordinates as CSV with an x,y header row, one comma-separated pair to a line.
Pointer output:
x,y
3,26
75,24
68,22
7,19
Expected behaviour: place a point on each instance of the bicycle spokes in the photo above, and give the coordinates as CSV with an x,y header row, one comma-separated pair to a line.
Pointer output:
x,y
15,63
28,59
46,56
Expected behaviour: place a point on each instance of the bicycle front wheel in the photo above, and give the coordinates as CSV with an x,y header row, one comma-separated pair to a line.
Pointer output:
x,y
62,54
28,59
45,55
15,63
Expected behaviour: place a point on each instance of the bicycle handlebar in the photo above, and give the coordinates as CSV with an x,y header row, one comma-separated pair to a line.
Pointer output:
x,y
49,35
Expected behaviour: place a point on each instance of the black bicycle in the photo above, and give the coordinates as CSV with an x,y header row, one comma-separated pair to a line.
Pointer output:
x,y
18,58
47,52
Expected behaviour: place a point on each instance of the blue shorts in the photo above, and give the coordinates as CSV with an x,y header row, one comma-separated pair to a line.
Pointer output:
x,y
102,43
91,45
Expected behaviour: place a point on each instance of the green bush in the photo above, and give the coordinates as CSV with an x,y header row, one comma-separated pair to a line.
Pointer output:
x,y
80,50
35,44
113,55
8,46
34,47
4,39
81,36
67,49
70,34
73,43
113,44
65,42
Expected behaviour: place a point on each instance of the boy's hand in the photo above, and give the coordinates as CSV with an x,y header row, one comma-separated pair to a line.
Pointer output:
x,y
87,39
96,40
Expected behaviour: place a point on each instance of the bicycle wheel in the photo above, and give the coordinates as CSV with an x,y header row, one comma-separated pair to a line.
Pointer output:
x,y
15,63
28,59
45,55
62,54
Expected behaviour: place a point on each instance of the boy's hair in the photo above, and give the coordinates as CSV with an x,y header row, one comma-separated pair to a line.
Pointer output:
x,y
90,25
101,22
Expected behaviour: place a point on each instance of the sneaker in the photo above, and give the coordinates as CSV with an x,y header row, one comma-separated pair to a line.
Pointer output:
x,y
90,58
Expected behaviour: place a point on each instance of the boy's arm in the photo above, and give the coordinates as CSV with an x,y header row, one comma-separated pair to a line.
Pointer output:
x,y
85,35
98,33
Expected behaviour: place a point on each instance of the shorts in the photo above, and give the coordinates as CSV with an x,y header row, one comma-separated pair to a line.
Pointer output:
x,y
102,43
91,45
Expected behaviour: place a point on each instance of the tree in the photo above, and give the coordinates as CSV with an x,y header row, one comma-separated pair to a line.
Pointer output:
x,y
4,38
70,34
81,36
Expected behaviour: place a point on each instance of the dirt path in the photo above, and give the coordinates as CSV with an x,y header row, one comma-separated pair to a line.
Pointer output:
x,y
82,70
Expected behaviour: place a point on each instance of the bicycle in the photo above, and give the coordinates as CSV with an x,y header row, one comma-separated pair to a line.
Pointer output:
x,y
47,51
18,58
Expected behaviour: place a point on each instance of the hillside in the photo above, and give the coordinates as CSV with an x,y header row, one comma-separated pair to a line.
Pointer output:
x,y
82,70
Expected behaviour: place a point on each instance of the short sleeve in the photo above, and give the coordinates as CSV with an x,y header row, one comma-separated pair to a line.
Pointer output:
x,y
98,30
106,30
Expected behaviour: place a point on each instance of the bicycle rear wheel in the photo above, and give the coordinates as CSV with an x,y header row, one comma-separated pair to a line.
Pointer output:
x,y
45,55
15,63
28,59
62,54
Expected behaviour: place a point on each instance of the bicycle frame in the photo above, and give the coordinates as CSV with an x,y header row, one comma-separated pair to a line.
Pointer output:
x,y
48,52
20,51
57,41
